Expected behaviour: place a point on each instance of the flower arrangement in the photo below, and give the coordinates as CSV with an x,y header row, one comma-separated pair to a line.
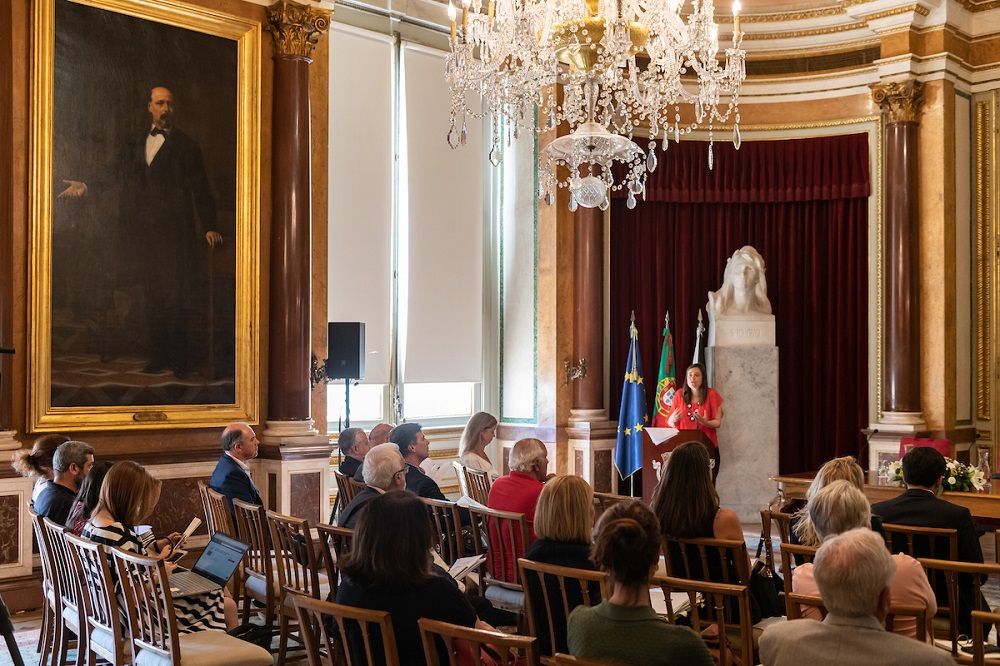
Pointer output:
x,y
958,477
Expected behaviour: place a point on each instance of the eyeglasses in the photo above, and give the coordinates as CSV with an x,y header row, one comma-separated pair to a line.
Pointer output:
x,y
403,471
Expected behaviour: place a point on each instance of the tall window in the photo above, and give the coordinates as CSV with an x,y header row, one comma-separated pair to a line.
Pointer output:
x,y
405,232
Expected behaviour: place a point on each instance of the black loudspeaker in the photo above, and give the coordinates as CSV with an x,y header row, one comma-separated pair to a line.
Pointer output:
x,y
346,347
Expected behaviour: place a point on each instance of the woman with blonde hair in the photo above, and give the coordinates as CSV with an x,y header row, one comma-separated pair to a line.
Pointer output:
x,y
128,496
564,519
38,461
838,469
479,432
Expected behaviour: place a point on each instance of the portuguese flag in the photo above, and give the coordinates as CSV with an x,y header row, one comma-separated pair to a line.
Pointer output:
x,y
665,385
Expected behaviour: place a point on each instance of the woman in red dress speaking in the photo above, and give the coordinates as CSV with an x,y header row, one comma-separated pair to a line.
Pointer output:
x,y
698,406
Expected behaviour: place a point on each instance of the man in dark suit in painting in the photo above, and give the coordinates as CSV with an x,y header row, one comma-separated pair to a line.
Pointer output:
x,y
167,213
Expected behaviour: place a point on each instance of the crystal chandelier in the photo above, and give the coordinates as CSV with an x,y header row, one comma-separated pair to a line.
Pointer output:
x,y
624,66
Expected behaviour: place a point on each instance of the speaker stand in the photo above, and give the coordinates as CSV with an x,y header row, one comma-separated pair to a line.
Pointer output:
x,y
347,404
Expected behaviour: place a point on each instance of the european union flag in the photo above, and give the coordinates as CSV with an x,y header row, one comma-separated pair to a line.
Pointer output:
x,y
632,418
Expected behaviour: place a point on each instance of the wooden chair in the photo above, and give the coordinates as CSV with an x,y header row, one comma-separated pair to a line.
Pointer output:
x,y
932,543
479,483
550,593
603,501
298,568
918,613
222,521
726,606
567,660
504,648
51,631
153,625
98,603
447,529
206,507
67,591
334,543
715,560
317,618
505,535
950,572
782,521
260,583
790,554
7,631
463,486
346,490
981,622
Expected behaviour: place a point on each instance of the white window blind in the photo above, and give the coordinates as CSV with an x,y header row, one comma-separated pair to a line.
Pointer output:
x,y
441,232
361,165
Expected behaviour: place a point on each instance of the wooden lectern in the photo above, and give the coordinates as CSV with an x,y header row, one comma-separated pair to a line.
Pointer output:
x,y
658,452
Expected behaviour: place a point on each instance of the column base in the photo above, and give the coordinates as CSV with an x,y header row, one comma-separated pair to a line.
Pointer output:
x,y
7,440
591,453
291,433
587,416
902,422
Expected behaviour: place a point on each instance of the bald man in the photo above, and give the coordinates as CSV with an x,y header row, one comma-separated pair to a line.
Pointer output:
x,y
232,473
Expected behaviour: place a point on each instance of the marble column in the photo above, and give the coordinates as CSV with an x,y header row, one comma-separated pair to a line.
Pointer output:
x,y
296,29
901,102
588,314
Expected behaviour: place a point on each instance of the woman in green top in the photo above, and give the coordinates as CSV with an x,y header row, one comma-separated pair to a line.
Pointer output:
x,y
624,629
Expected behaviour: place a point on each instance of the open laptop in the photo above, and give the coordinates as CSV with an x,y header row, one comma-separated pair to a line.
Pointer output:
x,y
212,570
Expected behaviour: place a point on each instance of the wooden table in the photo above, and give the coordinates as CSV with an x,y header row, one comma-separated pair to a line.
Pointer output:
x,y
985,504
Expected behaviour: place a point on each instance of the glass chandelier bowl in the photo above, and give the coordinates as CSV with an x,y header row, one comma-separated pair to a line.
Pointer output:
x,y
624,66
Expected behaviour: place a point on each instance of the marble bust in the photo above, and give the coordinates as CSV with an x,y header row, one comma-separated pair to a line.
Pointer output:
x,y
739,313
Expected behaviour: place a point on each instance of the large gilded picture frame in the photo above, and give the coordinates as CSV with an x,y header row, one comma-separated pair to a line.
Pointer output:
x,y
145,216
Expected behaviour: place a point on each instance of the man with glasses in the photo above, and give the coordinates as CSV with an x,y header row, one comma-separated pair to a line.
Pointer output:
x,y
383,471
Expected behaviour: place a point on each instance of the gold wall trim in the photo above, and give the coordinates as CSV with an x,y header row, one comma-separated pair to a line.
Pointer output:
x,y
778,17
443,454
984,246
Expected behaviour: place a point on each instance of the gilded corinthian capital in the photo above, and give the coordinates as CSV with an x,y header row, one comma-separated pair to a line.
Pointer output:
x,y
296,28
902,100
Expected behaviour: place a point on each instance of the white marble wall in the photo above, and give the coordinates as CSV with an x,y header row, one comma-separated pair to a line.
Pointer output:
x,y
747,379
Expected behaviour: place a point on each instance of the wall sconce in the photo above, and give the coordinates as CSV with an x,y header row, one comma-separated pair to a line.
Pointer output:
x,y
578,371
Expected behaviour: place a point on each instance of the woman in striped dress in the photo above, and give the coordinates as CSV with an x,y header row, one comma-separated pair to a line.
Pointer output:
x,y
127,498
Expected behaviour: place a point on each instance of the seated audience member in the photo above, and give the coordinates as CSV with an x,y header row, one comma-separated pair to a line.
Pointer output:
x,y
231,476
478,433
840,507
353,443
518,491
854,572
127,498
86,500
37,463
378,435
564,520
924,469
389,569
624,629
71,464
384,471
838,469
415,449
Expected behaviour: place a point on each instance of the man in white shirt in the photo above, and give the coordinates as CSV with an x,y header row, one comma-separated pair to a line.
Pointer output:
x,y
232,473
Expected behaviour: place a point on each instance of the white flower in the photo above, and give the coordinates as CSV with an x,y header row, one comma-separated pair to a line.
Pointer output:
x,y
951,480
952,464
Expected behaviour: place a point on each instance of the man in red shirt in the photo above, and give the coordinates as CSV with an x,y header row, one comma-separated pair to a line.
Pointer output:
x,y
518,491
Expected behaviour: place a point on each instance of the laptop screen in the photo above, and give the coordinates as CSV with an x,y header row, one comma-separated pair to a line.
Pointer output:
x,y
220,558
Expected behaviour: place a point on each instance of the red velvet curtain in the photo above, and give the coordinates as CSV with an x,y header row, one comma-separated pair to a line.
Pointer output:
x,y
803,204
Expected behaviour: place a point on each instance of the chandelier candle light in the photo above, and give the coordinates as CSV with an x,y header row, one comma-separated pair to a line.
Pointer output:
x,y
625,66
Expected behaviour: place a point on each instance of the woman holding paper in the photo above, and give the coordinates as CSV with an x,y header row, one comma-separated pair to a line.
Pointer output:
x,y
699,407
127,498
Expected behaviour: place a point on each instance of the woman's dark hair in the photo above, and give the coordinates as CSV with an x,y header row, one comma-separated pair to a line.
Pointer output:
x,y
392,543
38,460
90,489
627,543
685,501
687,393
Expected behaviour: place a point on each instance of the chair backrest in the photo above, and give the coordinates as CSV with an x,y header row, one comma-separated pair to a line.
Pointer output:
x,y
722,603
335,543
790,555
926,542
221,518
479,483
505,534
980,620
504,648
98,603
917,613
251,521
604,501
569,660
148,604
716,560
447,527
41,536
206,506
316,619
463,486
68,591
294,555
551,592
950,572
345,489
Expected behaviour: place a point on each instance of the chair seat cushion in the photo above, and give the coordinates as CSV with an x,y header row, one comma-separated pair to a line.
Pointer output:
x,y
102,642
211,648
257,588
503,595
